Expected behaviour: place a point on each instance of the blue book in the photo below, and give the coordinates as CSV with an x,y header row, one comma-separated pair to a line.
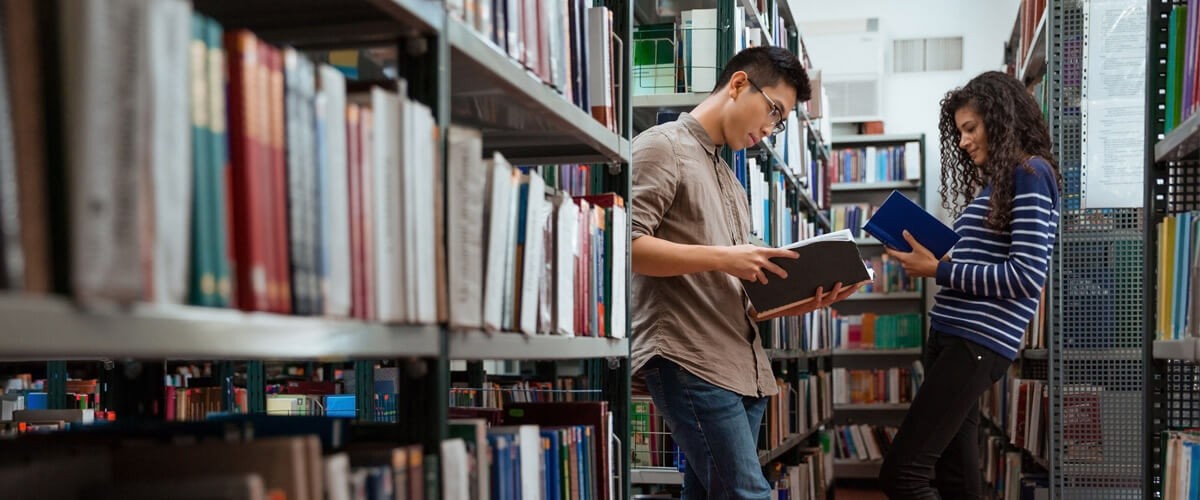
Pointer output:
x,y
340,405
899,213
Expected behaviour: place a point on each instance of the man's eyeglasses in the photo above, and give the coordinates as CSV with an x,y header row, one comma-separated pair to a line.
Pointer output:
x,y
776,113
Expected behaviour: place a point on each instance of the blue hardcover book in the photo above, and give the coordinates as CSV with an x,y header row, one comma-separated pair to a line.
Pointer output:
x,y
340,405
899,213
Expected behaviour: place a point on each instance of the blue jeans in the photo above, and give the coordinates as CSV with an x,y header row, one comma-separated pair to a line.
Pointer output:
x,y
717,430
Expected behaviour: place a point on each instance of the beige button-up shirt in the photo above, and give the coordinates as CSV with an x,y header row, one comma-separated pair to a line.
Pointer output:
x,y
683,192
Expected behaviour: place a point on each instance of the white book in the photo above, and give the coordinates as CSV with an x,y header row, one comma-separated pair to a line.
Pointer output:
x,y
456,483
566,250
912,161
337,477
533,259
426,239
600,82
171,146
387,170
619,267
409,192
335,193
499,201
511,307
105,68
702,49
467,178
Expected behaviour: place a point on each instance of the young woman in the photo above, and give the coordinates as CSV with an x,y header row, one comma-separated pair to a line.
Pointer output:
x,y
1001,182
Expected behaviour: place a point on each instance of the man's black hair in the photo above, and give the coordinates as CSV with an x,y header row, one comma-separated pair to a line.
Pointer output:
x,y
767,66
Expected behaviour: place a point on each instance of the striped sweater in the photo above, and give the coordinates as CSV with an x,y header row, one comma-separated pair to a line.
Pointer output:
x,y
991,286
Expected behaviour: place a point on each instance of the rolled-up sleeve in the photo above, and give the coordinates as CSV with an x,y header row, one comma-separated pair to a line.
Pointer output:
x,y
655,176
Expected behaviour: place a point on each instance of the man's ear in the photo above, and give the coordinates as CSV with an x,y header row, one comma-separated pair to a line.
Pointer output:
x,y
738,83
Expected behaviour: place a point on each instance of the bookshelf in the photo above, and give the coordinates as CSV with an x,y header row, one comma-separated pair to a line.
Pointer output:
x,y
464,81
780,183
528,122
1172,175
871,167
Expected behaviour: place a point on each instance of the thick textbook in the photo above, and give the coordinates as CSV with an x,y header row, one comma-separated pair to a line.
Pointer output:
x,y
823,262
899,213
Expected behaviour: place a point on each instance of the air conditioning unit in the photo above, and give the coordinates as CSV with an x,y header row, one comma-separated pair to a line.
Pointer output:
x,y
850,54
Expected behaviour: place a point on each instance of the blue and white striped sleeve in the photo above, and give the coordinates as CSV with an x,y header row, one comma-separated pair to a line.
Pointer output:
x,y
1034,224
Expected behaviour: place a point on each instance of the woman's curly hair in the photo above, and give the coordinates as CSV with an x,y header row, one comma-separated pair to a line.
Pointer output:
x,y
1015,130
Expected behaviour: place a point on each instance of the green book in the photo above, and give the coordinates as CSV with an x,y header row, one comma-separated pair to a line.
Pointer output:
x,y
1176,38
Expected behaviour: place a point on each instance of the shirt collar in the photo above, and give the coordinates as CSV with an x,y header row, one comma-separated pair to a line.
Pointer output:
x,y
692,125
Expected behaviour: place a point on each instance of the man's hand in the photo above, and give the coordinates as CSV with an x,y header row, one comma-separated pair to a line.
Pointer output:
x,y
920,263
751,262
821,299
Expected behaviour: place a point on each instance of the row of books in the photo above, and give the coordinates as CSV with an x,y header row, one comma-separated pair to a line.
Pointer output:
x,y
876,163
1183,61
503,394
282,196
889,276
522,262
540,452
1005,475
863,442
1178,274
1028,15
567,46
879,332
651,441
1020,408
797,408
850,216
1180,459
810,167
809,333
781,221
1036,332
879,386
807,480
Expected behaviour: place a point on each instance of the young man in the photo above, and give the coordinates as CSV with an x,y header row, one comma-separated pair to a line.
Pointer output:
x,y
695,341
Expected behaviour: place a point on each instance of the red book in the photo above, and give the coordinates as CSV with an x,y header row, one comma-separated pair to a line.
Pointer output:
x,y
356,209
246,182
279,185
366,139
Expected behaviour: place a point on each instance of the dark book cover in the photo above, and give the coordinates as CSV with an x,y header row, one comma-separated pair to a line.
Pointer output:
x,y
823,262
897,214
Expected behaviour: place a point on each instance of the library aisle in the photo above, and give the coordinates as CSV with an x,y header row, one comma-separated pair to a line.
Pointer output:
x,y
367,249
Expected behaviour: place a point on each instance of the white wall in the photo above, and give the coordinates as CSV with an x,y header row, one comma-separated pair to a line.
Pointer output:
x,y
911,99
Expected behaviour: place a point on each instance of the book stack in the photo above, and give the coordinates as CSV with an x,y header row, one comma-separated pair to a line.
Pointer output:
x,y
809,333
803,481
874,331
884,386
1181,453
889,276
872,164
1178,275
850,216
567,46
863,442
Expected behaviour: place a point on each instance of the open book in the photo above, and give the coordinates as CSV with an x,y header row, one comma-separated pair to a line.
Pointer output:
x,y
824,261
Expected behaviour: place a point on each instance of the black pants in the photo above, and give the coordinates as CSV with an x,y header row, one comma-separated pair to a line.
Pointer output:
x,y
936,452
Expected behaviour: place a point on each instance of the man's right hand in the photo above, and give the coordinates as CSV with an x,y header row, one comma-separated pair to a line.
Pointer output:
x,y
751,262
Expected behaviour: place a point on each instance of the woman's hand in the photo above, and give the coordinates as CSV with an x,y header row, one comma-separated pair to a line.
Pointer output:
x,y
919,263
